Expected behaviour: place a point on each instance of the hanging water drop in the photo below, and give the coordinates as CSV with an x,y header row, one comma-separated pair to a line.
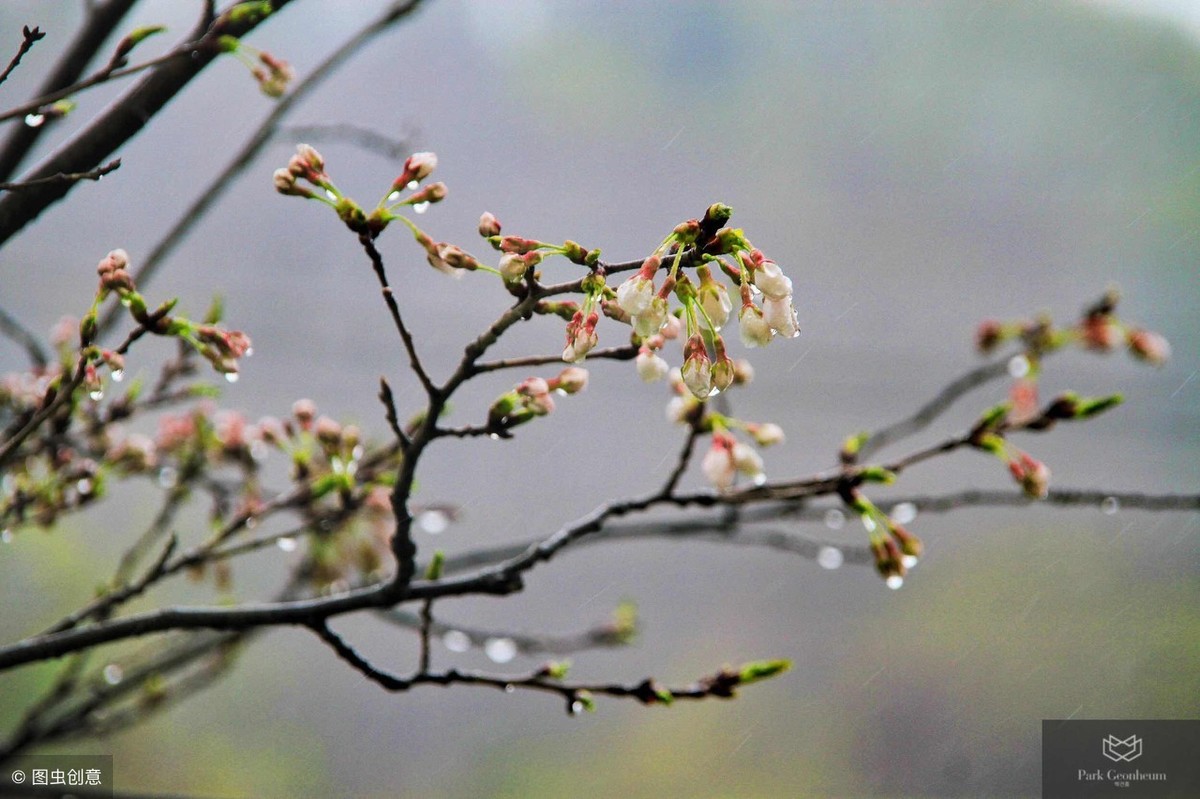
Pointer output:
x,y
494,436
433,521
908,561
113,674
1110,505
894,582
500,650
118,375
331,195
834,519
1018,366
420,208
287,544
35,120
510,688
903,512
576,707
231,377
167,477
391,198
96,394
412,185
456,641
830,558
84,486
869,523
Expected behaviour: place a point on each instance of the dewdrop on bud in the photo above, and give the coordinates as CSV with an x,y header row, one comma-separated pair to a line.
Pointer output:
x,y
697,368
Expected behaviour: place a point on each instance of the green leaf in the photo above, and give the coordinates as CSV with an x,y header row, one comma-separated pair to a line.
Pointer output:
x,y
762,670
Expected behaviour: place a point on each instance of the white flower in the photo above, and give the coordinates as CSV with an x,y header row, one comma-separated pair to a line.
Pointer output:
x,y
635,295
780,314
767,434
771,280
718,465
651,367
747,461
512,267
650,320
754,330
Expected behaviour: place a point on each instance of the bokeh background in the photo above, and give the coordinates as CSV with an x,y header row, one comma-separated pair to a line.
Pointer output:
x,y
914,167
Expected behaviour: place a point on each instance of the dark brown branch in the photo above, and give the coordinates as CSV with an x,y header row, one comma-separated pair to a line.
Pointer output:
x,y
259,139
117,124
29,37
410,347
102,19
364,138
602,636
625,353
62,177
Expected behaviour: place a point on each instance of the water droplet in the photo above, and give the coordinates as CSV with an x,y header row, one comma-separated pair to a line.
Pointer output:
x,y
412,185
830,558
433,522
1018,366
714,391
576,707
894,582
903,512
908,560
84,486
510,688
113,674
760,479
834,519
869,523
1110,505
795,333
500,650
35,120
251,522
96,394
231,377
118,375
420,208
391,198
456,641
249,351
287,544
494,436
6,536
331,195
357,452
167,477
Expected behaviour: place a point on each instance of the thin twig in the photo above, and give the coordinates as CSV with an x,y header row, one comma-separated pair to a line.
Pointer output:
x,y
29,37
61,177
20,334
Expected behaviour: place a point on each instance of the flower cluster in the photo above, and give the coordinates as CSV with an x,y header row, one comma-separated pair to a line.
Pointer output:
x,y
272,74
533,397
894,548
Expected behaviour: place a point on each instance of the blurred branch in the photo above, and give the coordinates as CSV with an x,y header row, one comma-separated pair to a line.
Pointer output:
x,y
102,18
364,138
21,335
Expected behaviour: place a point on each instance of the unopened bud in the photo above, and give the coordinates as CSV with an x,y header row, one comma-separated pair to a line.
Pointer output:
x,y
489,225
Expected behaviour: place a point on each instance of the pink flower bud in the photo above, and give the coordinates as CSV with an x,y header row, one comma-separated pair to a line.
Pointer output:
x,y
304,410
766,434
581,336
988,335
417,167
1149,347
571,380
489,225
672,328
1100,332
328,431
1032,474
456,257
723,369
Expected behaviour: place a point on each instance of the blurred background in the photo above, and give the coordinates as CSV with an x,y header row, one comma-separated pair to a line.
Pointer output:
x,y
914,167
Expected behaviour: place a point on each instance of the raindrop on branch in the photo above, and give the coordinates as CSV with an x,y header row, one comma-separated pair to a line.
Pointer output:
x,y
830,558
433,522
287,544
500,650
113,674
456,641
895,581
1018,366
1110,505
35,120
